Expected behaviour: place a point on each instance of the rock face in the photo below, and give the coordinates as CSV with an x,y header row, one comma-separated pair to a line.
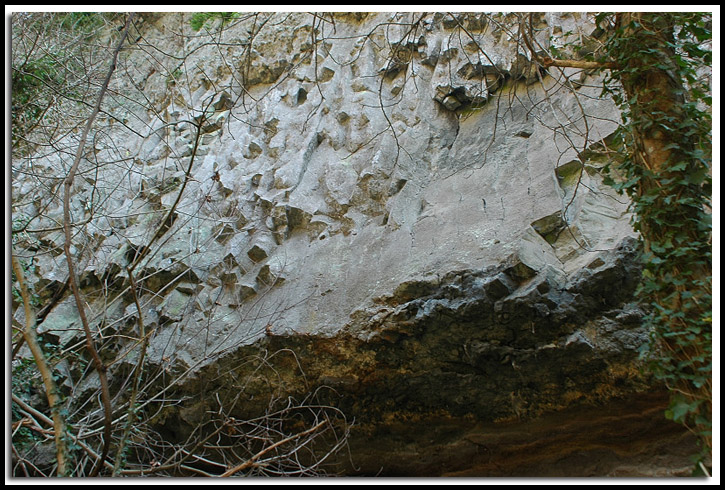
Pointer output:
x,y
403,217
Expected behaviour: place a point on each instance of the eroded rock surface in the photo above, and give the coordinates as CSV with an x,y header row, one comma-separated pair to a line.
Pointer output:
x,y
394,220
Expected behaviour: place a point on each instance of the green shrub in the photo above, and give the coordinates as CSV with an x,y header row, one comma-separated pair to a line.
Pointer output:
x,y
200,18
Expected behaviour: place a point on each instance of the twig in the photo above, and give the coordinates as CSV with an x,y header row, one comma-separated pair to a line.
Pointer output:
x,y
43,418
73,278
137,378
251,461
51,390
546,62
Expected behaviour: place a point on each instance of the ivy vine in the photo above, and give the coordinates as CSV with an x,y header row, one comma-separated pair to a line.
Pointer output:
x,y
661,85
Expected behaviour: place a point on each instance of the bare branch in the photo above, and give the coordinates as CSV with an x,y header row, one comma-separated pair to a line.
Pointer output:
x,y
98,363
585,65
251,461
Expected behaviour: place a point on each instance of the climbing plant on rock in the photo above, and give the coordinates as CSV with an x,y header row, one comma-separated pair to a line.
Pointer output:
x,y
656,63
659,66
667,134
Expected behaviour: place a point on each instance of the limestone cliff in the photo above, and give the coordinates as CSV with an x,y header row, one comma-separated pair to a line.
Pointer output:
x,y
399,213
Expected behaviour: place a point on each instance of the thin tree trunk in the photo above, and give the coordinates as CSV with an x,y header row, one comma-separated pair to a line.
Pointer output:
x,y
46,373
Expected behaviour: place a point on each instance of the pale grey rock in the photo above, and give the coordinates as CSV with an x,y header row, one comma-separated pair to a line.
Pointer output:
x,y
262,246
246,290
63,322
340,179
174,307
332,200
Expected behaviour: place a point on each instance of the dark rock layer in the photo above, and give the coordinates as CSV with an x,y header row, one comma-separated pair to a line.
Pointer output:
x,y
495,372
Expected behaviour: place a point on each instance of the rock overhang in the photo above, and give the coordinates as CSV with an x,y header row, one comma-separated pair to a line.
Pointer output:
x,y
416,253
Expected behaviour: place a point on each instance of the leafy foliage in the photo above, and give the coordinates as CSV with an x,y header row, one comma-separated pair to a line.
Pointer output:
x,y
81,20
42,74
24,380
28,82
200,18
665,104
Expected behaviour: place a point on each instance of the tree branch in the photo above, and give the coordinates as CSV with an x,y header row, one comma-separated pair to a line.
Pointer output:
x,y
264,451
547,62
585,65
46,373
73,278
